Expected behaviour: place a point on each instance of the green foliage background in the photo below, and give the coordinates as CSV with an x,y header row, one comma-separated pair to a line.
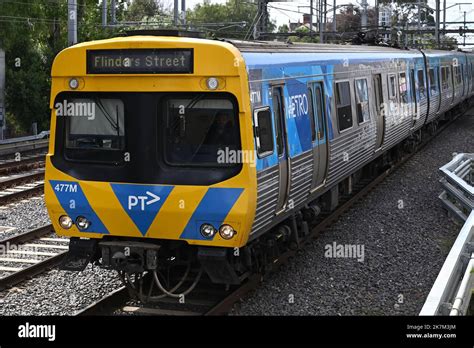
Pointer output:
x,y
33,32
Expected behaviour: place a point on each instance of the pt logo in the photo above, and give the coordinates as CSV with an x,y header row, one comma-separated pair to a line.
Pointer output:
x,y
141,201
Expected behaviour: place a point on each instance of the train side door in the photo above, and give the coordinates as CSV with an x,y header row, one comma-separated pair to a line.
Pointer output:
x,y
318,134
380,107
282,147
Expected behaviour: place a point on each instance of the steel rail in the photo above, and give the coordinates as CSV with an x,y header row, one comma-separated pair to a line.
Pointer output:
x,y
37,267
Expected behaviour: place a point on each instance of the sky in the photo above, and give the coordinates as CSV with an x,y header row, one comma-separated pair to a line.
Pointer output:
x,y
283,12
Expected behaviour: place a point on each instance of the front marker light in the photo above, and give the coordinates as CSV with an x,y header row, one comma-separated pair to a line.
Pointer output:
x,y
82,223
208,231
212,83
227,231
73,83
65,222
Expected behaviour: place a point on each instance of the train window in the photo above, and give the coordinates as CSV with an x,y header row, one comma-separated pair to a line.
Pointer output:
x,y
402,83
444,78
320,109
278,113
343,105
311,114
98,125
457,76
199,129
264,131
472,77
449,73
433,81
392,91
362,100
421,84
413,93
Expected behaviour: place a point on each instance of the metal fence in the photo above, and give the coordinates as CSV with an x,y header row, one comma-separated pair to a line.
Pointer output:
x,y
452,291
28,143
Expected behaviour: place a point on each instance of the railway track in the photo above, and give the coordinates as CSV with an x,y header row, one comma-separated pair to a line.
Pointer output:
x,y
25,255
20,186
8,166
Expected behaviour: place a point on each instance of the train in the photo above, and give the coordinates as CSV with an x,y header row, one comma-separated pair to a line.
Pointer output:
x,y
174,159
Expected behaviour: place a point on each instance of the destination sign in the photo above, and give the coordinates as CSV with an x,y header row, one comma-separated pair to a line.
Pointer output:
x,y
140,61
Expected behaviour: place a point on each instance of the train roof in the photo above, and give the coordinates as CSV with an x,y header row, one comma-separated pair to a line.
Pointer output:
x,y
277,46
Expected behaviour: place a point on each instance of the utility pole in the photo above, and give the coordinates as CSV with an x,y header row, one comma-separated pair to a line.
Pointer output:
x,y
321,28
311,18
72,22
377,11
437,10
112,12
419,20
104,13
464,34
334,26
363,17
325,14
175,13
444,16
183,11
262,25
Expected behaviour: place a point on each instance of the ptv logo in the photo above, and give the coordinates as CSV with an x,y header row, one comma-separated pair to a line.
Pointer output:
x,y
142,201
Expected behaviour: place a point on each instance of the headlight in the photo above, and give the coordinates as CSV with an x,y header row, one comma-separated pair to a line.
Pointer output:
x,y
208,231
212,83
82,223
73,83
227,231
65,222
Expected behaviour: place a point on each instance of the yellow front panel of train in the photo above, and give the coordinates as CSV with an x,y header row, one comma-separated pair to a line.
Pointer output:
x,y
148,210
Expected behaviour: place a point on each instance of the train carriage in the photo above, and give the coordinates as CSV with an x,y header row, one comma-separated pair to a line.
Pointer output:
x,y
172,151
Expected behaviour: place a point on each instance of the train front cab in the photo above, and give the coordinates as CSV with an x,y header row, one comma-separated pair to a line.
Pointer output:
x,y
145,177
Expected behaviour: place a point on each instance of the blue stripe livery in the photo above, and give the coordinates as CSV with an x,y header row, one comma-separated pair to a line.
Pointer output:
x,y
74,202
213,208
141,202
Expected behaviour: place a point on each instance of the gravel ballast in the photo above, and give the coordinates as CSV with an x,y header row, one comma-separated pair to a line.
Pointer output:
x,y
405,235
58,292
23,216
54,292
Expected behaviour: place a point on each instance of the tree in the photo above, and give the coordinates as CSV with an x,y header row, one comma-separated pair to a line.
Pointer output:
x,y
303,35
140,10
34,33
234,18
348,19
283,29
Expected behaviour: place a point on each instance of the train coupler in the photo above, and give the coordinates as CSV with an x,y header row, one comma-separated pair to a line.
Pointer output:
x,y
81,252
130,257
